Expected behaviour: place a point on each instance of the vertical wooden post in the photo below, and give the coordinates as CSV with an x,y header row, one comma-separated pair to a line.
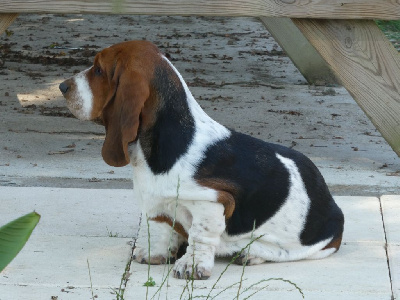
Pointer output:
x,y
6,20
307,60
367,65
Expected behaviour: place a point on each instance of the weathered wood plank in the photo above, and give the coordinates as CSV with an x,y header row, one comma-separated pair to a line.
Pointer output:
x,y
330,9
6,20
304,56
366,63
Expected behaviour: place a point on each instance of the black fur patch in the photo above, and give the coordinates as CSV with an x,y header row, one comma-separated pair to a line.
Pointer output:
x,y
252,167
173,131
262,185
325,219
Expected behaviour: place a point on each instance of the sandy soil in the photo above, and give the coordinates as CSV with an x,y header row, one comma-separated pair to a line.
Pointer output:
x,y
235,69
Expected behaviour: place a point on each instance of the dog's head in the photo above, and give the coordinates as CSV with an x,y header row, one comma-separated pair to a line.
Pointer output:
x,y
116,90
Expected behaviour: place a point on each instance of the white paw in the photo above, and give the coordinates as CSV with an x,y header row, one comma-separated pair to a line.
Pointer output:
x,y
197,267
141,255
249,260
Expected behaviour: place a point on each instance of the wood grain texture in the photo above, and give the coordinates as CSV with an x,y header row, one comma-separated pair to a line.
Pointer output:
x,y
366,63
6,20
304,56
329,9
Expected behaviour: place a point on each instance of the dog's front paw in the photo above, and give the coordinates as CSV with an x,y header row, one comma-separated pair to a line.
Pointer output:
x,y
188,267
141,255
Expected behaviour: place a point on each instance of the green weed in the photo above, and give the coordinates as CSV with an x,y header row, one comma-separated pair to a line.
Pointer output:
x,y
111,234
90,277
389,25
121,289
149,282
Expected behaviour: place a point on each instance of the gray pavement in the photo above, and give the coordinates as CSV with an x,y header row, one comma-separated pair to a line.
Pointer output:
x,y
95,229
234,68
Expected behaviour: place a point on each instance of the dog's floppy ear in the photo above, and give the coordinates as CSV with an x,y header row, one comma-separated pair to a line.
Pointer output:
x,y
121,115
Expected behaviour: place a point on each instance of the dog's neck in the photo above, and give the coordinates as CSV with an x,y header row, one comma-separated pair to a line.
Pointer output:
x,y
171,134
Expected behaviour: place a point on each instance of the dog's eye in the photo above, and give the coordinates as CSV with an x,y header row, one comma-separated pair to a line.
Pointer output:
x,y
98,71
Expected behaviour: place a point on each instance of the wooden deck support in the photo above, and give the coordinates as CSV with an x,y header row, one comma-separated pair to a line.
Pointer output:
x,y
366,63
6,20
304,56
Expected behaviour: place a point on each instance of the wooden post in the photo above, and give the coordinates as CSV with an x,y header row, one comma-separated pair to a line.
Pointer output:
x,y
6,20
304,56
366,63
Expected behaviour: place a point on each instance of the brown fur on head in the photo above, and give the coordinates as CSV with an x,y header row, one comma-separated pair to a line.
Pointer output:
x,y
119,81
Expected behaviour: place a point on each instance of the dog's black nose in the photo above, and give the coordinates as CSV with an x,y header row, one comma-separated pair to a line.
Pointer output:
x,y
63,87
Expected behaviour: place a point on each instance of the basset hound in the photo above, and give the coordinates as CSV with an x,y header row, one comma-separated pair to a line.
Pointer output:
x,y
218,188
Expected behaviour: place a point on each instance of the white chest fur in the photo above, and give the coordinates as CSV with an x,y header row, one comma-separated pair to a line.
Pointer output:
x,y
157,193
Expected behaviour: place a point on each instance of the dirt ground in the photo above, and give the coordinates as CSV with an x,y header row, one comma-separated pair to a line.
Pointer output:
x,y
236,71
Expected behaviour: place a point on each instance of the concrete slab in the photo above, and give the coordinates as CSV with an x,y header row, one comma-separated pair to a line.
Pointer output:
x,y
72,211
363,219
51,261
394,263
11,292
76,226
61,261
357,270
263,294
391,213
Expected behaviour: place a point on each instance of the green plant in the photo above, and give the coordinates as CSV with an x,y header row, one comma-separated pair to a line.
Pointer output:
x,y
246,259
90,277
120,291
150,282
168,265
391,29
111,234
190,289
14,235
389,25
9,32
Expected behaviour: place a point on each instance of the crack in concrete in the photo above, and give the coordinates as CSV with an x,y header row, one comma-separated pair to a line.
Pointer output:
x,y
127,273
386,249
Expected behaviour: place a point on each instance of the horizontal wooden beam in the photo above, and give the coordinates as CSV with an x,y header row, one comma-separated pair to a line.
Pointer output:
x,y
321,9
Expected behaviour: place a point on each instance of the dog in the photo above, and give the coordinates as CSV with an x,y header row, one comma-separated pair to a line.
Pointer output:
x,y
220,189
